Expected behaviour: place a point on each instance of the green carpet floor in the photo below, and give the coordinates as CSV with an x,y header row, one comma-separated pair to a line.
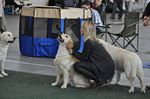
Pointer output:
x,y
20,85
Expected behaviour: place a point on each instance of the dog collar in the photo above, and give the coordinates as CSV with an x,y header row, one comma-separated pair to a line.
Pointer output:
x,y
63,57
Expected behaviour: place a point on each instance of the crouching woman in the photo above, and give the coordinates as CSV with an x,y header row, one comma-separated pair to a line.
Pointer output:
x,y
95,62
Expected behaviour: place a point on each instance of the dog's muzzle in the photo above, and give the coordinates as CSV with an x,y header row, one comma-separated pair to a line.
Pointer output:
x,y
12,40
60,38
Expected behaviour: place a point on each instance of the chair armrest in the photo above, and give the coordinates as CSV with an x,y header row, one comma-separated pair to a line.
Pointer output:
x,y
105,26
132,24
117,23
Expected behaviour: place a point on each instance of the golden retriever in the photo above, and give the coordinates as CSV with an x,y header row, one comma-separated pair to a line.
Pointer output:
x,y
5,39
127,62
64,63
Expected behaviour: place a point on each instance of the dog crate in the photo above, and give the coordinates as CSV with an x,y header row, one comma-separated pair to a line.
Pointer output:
x,y
38,28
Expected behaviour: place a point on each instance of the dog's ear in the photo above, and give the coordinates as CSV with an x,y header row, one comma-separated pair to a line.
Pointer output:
x,y
69,44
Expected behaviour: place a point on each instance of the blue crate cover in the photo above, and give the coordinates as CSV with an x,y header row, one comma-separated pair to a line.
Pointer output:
x,y
46,47
26,45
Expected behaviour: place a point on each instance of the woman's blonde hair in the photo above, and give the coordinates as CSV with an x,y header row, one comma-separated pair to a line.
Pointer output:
x,y
89,29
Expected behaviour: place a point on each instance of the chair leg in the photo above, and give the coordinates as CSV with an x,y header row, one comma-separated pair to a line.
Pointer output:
x,y
106,37
123,42
101,36
129,42
126,42
137,43
114,41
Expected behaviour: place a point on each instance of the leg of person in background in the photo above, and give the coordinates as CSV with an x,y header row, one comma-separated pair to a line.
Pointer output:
x,y
127,5
114,10
3,23
148,87
120,7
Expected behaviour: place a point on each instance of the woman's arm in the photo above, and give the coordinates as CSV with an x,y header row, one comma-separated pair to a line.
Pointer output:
x,y
86,51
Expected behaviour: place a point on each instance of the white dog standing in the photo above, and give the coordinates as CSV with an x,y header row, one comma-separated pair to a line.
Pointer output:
x,y
5,39
127,62
64,64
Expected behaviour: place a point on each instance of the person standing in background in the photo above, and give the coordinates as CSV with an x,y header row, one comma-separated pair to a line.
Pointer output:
x,y
127,4
96,18
95,3
117,4
2,17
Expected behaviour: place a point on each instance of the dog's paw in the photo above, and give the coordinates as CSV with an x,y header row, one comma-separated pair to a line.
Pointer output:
x,y
1,76
81,86
131,91
4,74
63,87
54,84
143,90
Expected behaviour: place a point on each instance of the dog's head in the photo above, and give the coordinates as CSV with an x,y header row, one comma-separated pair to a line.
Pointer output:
x,y
66,40
7,37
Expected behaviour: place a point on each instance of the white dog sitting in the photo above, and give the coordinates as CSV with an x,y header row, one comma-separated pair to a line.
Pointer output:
x,y
64,64
5,39
127,62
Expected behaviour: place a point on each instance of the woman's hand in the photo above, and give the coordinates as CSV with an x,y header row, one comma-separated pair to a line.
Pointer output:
x,y
70,47
146,21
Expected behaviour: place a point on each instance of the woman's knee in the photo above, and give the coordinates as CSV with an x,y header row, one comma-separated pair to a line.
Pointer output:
x,y
76,66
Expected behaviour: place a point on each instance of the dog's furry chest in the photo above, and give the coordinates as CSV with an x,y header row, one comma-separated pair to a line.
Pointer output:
x,y
64,62
3,52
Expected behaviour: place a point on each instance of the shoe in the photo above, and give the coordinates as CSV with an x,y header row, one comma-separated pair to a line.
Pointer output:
x,y
97,85
112,17
119,18
148,87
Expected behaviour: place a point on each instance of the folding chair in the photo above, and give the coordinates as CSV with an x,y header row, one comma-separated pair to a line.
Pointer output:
x,y
129,33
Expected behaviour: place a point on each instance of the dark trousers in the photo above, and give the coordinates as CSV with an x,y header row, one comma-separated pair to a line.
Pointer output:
x,y
117,4
87,69
147,10
3,22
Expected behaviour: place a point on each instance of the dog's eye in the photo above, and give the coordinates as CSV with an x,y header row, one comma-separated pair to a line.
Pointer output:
x,y
8,34
66,36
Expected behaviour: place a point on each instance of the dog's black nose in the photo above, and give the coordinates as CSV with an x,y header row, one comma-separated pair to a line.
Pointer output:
x,y
59,34
14,38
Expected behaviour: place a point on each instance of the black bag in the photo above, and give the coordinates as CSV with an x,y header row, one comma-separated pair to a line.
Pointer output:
x,y
109,7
